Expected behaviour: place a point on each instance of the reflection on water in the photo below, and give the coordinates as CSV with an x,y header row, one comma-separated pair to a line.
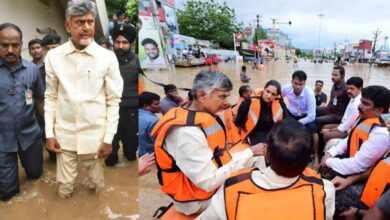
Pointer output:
x,y
150,195
38,199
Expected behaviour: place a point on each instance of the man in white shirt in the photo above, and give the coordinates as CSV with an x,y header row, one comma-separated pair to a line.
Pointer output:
x,y
366,144
190,146
369,139
83,91
354,88
267,193
301,105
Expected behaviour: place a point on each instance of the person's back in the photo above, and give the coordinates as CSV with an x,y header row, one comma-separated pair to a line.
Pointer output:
x,y
264,193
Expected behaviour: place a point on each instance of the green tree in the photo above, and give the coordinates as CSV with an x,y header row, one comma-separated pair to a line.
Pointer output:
x,y
262,35
132,10
116,6
128,7
299,52
208,20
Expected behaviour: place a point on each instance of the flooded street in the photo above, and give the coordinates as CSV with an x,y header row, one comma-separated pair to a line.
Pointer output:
x,y
149,190
38,198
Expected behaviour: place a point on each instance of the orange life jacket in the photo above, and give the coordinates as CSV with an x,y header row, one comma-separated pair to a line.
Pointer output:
x,y
244,200
254,115
377,184
140,85
359,134
172,180
232,132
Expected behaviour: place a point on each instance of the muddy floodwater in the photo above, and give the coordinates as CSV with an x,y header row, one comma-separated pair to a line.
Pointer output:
x,y
38,199
150,195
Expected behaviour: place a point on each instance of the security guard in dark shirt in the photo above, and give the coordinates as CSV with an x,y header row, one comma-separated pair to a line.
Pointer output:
x,y
21,87
129,66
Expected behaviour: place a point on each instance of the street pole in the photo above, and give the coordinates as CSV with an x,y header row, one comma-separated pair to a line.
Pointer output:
x,y
258,35
234,41
319,32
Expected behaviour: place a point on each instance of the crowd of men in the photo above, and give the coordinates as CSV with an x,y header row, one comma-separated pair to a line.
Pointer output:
x,y
76,98
214,160
218,161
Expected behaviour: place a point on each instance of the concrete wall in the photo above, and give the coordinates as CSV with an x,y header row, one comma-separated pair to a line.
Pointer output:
x,y
32,14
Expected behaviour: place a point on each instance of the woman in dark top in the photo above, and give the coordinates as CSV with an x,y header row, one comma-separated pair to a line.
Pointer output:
x,y
257,115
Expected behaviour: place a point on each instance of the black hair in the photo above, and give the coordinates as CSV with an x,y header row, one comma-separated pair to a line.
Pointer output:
x,y
355,81
300,75
34,41
289,148
169,87
50,39
243,68
341,69
276,84
379,95
149,41
12,26
190,96
242,90
147,98
320,81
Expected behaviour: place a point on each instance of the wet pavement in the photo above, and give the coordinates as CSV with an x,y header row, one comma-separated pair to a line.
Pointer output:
x,y
38,198
149,190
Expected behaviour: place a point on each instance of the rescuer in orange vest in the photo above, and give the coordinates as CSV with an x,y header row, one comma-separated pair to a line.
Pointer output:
x,y
366,144
190,147
284,189
257,115
368,140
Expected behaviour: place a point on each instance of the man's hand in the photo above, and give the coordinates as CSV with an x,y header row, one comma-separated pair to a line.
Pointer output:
x,y
324,130
145,164
350,214
340,183
324,158
104,150
53,145
259,149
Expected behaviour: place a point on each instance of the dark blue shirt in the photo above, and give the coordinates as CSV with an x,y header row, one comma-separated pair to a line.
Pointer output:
x,y
18,124
146,122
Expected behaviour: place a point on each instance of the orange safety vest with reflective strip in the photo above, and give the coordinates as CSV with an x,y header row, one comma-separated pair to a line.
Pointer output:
x,y
254,115
232,132
360,133
377,184
172,180
244,200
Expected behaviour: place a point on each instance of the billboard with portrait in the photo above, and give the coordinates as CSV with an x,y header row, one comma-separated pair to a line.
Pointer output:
x,y
150,51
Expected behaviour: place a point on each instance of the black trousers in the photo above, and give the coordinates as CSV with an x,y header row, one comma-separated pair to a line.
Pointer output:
x,y
127,133
31,160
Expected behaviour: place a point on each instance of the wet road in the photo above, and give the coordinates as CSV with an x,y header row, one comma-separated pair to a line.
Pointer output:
x,y
38,199
150,195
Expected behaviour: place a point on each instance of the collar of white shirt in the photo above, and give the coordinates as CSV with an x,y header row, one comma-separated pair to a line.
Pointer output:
x,y
272,180
90,49
358,97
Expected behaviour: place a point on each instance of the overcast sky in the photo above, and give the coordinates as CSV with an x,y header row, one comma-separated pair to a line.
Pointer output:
x,y
344,20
